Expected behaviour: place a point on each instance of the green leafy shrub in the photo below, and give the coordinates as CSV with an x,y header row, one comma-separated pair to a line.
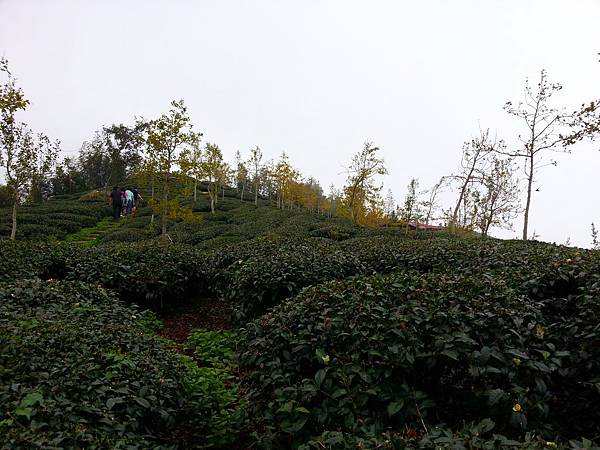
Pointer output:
x,y
216,376
92,376
37,232
336,233
22,260
150,274
209,232
136,222
475,435
387,352
260,273
524,261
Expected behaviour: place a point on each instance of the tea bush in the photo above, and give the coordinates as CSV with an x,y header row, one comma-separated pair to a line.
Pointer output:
x,y
93,377
335,233
521,260
260,273
22,260
53,219
215,352
475,435
150,274
378,353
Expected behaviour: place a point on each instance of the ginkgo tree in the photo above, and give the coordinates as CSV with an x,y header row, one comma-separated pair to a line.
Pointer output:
x,y
191,164
361,190
214,170
25,157
255,163
166,138
241,174
284,176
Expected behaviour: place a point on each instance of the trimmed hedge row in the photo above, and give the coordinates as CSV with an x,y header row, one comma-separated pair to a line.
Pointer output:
x,y
149,274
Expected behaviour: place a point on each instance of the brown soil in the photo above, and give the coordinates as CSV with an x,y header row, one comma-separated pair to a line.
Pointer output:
x,y
210,314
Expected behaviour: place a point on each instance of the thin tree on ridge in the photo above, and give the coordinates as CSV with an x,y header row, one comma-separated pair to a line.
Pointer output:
x,y
543,124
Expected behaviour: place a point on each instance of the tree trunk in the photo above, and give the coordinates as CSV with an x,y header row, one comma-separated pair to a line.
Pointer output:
x,y
164,228
165,208
13,232
528,202
256,193
428,217
213,191
195,189
460,198
152,198
242,195
223,190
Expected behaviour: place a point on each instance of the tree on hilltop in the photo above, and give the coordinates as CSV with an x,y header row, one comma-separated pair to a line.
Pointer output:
x,y
431,205
475,158
412,211
360,190
191,164
213,168
26,158
241,174
255,163
166,137
543,124
497,203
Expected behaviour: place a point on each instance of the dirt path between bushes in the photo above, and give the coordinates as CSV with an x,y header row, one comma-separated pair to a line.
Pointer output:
x,y
210,314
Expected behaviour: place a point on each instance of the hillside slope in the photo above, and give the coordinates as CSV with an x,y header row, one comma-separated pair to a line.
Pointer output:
x,y
345,337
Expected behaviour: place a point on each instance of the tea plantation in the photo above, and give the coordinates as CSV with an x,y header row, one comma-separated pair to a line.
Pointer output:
x,y
340,337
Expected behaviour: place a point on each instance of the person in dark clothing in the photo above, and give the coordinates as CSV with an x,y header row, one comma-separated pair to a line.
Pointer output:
x,y
136,198
117,204
123,202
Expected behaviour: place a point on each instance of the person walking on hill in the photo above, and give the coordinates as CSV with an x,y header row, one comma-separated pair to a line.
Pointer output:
x,y
136,198
115,197
129,201
123,201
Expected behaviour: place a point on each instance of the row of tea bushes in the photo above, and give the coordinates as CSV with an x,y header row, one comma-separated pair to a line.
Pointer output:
x,y
474,435
260,272
23,259
409,351
148,273
257,274
52,220
93,376
382,253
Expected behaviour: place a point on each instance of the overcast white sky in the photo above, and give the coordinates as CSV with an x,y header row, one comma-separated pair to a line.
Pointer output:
x,y
317,79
